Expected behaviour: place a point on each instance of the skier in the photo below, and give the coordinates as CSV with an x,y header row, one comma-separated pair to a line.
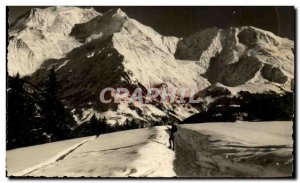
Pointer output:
x,y
172,132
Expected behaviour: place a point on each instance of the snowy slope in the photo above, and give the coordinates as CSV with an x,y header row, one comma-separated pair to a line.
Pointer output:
x,y
43,34
18,162
248,149
137,153
261,149
247,133
126,53
142,46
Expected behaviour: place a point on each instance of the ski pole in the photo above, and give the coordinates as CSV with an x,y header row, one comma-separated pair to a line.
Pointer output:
x,y
165,139
177,140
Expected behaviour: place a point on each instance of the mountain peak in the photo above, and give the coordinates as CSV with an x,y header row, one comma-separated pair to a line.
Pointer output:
x,y
45,18
44,34
100,27
116,11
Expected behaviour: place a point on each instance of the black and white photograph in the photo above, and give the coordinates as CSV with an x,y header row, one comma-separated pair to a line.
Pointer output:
x,y
150,92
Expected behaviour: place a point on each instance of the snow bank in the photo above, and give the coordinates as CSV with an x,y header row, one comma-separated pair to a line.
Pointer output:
x,y
155,159
135,153
254,149
249,133
109,155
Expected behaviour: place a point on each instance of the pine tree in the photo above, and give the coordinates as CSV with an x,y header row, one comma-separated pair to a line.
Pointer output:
x,y
57,120
126,124
133,124
95,126
51,87
117,126
15,104
104,127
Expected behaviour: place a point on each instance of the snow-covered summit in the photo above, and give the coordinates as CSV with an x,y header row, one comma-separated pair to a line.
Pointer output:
x,y
100,27
43,34
52,18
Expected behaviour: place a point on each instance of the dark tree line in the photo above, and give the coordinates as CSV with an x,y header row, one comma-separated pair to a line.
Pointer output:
x,y
92,127
33,116
248,106
22,116
100,126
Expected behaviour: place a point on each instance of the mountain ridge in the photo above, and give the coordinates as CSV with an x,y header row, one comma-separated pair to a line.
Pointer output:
x,y
129,53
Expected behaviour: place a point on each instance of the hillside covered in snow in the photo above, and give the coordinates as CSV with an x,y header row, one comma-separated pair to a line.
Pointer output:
x,y
249,149
91,51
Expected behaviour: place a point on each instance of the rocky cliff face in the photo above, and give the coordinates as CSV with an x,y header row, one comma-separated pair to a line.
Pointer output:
x,y
245,56
94,51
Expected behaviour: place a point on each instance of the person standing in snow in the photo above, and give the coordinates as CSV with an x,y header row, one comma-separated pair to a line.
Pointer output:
x,y
172,132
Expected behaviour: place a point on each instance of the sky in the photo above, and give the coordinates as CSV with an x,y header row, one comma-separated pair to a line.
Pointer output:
x,y
184,21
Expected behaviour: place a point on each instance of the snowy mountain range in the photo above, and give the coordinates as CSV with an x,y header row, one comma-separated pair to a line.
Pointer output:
x,y
91,51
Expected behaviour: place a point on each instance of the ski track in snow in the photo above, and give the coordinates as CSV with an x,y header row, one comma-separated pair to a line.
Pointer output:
x,y
132,153
56,158
201,151
155,160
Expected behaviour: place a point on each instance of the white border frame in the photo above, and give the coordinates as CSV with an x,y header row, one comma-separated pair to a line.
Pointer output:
x,y
5,3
